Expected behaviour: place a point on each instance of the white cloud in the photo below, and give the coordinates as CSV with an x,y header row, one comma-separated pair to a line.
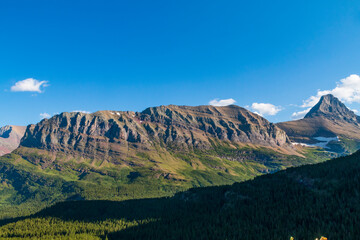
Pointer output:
x,y
300,114
311,101
222,102
44,115
29,85
355,111
82,111
265,109
347,90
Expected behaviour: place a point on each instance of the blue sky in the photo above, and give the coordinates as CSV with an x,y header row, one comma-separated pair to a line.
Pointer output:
x,y
128,55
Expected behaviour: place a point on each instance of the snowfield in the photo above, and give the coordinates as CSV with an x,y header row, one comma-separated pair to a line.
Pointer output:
x,y
323,142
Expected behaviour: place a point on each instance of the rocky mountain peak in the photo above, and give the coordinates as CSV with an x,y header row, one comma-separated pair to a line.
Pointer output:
x,y
325,125
331,107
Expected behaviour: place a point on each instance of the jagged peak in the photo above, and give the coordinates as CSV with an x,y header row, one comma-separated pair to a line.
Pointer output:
x,y
331,106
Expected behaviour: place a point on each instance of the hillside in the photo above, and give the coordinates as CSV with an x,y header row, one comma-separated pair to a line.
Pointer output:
x,y
329,124
112,155
10,137
304,202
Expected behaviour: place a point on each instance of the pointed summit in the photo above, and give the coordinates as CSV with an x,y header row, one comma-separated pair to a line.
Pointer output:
x,y
332,108
328,120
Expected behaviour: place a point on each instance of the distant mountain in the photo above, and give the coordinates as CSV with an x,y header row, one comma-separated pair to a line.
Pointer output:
x,y
332,108
10,137
329,124
157,152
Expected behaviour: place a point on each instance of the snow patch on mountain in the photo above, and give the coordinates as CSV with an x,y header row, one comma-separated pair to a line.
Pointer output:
x,y
322,142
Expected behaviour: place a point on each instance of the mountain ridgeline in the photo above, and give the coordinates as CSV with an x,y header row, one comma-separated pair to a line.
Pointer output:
x,y
105,133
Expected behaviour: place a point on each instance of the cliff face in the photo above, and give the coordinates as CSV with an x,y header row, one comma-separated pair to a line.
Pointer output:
x,y
10,138
108,133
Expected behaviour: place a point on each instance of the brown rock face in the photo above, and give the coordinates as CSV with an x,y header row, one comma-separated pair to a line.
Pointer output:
x,y
331,108
10,137
107,134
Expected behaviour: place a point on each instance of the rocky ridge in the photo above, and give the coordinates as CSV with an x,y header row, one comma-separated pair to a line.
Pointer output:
x,y
110,133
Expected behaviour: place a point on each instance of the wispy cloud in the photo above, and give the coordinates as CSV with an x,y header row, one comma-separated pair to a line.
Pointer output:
x,y
222,102
29,85
264,109
300,114
44,115
48,115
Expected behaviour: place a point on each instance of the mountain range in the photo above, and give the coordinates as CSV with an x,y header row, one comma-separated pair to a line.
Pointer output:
x,y
121,155
117,155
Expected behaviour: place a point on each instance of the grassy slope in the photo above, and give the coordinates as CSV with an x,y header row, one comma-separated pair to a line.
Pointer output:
x,y
32,179
304,202
345,145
